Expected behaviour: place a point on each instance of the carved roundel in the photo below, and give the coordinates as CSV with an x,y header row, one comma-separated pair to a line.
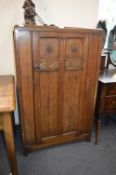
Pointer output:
x,y
49,48
74,48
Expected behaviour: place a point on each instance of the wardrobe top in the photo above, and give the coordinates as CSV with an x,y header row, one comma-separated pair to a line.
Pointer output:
x,y
55,29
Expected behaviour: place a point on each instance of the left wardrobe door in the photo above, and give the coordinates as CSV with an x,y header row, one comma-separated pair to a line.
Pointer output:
x,y
46,68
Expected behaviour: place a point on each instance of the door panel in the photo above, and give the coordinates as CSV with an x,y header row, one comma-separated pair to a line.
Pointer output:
x,y
74,48
49,48
71,100
49,103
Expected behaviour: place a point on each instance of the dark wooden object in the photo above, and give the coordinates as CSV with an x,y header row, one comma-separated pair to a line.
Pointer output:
x,y
103,62
7,106
106,100
57,73
29,13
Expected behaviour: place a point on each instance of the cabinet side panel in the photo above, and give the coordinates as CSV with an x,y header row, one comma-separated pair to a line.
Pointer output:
x,y
92,79
25,84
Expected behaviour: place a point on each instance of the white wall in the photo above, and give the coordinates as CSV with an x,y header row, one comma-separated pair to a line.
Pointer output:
x,y
75,13
69,12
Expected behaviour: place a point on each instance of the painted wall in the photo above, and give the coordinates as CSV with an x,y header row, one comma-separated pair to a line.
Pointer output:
x,y
75,13
69,12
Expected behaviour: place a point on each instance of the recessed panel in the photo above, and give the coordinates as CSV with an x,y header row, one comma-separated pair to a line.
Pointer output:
x,y
74,48
71,100
49,104
49,48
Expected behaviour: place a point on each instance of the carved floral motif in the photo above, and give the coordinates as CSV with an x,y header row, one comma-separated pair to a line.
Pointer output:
x,y
45,67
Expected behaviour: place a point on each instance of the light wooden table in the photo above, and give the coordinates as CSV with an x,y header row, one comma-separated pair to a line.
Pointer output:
x,y
7,106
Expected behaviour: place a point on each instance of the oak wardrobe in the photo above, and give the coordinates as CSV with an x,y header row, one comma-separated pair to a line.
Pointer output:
x,y
57,74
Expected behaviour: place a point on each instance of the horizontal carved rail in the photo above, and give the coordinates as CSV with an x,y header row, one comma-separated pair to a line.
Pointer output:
x,y
45,67
71,64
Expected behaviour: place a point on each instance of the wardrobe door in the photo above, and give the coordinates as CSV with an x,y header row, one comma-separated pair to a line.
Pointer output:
x,y
75,68
46,63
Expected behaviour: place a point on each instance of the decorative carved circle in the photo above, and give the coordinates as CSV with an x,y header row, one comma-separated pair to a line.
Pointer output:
x,y
49,49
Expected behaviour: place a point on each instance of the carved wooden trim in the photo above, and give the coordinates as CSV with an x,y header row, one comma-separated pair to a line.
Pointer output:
x,y
74,49
48,49
73,64
45,67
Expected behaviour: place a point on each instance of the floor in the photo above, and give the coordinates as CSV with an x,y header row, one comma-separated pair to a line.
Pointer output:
x,y
79,158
